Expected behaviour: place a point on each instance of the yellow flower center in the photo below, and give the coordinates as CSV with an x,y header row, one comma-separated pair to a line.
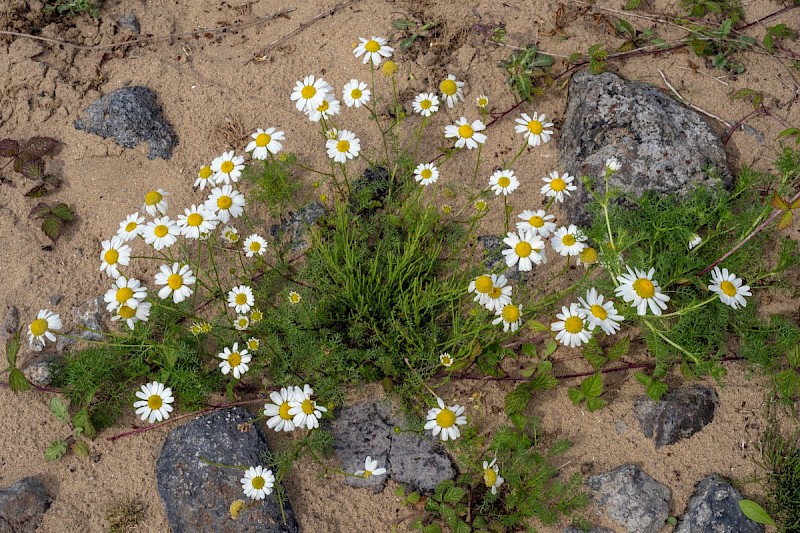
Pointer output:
x,y
234,359
510,313
154,402
728,288
323,106
536,222
255,246
39,327
389,68
262,139
449,87
258,482
152,198
356,94
308,406
446,418
644,288
599,311
308,91
343,146
557,184
535,127
242,322
256,316
483,102
241,298
194,219
131,226
523,249
426,173
367,473
294,297
252,345
126,312
160,231
495,292
504,182
283,411
573,324
568,239
425,104
205,172
124,294
489,477
226,167
588,256
372,46
111,256
483,284
224,202
446,361
466,131
175,281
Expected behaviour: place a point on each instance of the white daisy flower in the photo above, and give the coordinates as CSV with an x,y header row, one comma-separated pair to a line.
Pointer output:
x,y
356,93
241,323
257,482
124,291
253,344
133,315
571,326
241,299
511,317
234,360
226,203
694,241
538,222
525,248
114,254
43,327
499,296
641,290
345,146
205,176
230,234
729,288
227,168
426,173
445,359
131,227
445,420
568,241
373,49
265,142
294,298
254,245
491,475
466,134
278,410
155,402
503,182
481,286
613,165
309,93
426,104
155,202
256,316
557,186
534,128
328,108
161,233
305,411
370,469
452,90
599,313
588,257
482,101
175,280
195,221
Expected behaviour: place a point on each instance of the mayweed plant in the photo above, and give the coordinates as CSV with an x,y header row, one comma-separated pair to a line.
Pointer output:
x,y
391,287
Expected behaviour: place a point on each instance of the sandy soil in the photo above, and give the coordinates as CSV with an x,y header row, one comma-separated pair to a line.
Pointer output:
x,y
213,92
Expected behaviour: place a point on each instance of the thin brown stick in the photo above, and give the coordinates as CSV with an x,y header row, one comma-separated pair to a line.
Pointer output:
x,y
684,101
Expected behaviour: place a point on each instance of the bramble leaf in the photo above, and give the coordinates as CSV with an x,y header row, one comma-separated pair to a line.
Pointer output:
x,y
785,221
777,202
59,410
17,381
33,169
592,386
575,396
63,212
56,450
9,148
630,5
40,210
517,400
595,404
37,147
619,349
52,227
454,495
755,512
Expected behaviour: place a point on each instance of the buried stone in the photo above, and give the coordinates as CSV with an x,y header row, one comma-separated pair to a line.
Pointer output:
x,y
678,415
714,507
632,498
22,506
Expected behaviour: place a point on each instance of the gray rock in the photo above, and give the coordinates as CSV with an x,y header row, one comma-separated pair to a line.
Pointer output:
x,y
130,115
714,508
10,324
663,146
573,529
40,373
492,253
678,415
90,319
129,22
197,495
418,463
22,506
295,227
632,498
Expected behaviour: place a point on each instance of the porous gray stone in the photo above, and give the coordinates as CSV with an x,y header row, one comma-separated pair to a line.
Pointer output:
x,y
129,22
90,319
714,508
197,495
573,529
678,415
662,146
40,373
418,463
632,498
10,324
294,228
130,115
22,506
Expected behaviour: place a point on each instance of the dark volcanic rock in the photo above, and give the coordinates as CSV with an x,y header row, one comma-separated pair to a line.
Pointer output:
x,y
419,463
632,498
22,506
197,496
662,146
714,508
130,115
678,415
294,228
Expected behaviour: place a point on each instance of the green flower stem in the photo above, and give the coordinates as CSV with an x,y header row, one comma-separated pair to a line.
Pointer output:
x,y
549,204
686,310
505,211
417,138
219,283
519,153
669,341
477,165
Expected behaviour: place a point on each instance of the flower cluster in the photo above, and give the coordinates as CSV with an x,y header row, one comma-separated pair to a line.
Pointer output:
x,y
293,407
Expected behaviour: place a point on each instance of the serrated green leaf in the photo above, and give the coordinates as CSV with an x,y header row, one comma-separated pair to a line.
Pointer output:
x,y
630,5
403,24
40,210
9,148
619,349
406,43
55,450
560,446
529,349
63,212
517,400
432,528
656,389
413,498
536,326
80,448
575,396
595,404
519,420
81,420
12,348
755,512
17,381
59,410
52,226
592,386
37,192
37,147
33,169
545,367
461,527
643,378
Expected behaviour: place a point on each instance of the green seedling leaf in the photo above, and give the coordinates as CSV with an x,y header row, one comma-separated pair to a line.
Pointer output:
x,y
406,43
789,132
9,148
785,221
80,448
433,528
545,367
619,349
59,410
575,396
454,495
529,349
63,212
592,386
755,512
537,326
12,348
56,450
37,147
595,404
17,381
413,498
550,349
52,227
793,356
81,420
33,169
